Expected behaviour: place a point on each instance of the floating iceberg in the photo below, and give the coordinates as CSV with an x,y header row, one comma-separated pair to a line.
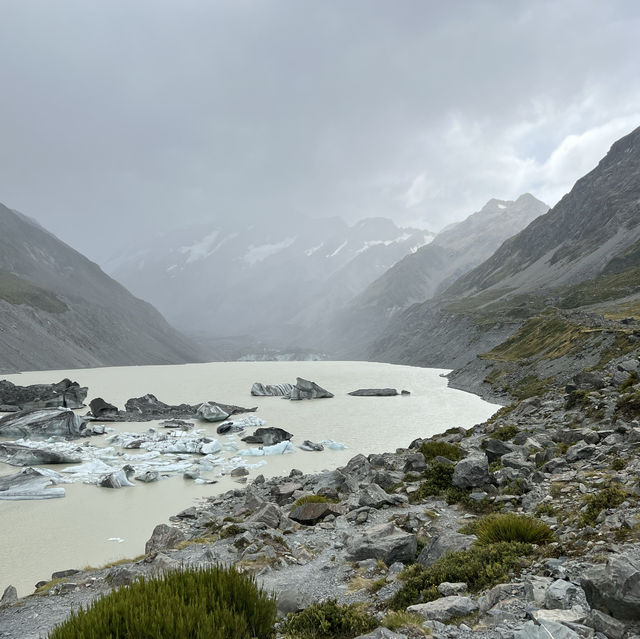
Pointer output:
x,y
283,448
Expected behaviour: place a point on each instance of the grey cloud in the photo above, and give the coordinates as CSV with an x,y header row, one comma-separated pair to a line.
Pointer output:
x,y
120,116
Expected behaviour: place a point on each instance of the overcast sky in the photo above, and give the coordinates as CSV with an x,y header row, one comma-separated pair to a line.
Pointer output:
x,y
120,116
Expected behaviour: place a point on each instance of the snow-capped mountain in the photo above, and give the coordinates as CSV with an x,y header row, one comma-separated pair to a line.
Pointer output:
x,y
226,281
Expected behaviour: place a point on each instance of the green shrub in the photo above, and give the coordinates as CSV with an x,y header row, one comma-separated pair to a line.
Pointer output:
x,y
508,527
313,499
619,463
608,497
328,620
545,508
211,603
442,449
438,478
231,531
479,567
505,433
628,405
632,380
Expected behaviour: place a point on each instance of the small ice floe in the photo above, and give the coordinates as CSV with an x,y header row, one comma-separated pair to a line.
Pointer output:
x,y
31,483
330,444
310,446
283,448
118,540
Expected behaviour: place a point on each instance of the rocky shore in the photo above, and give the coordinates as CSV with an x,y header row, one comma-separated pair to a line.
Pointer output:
x,y
380,530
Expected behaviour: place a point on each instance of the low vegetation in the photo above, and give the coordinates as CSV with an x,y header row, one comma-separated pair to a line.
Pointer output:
x,y
434,449
479,567
313,499
328,620
212,603
15,290
511,527
402,620
607,497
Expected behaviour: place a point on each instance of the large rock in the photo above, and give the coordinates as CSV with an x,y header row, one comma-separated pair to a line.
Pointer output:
x,y
374,392
65,394
269,514
304,389
211,413
440,545
9,596
103,410
615,587
271,390
496,448
44,423
29,483
605,624
149,407
472,471
561,594
374,497
311,513
267,436
382,633
445,608
21,455
386,542
163,538
546,630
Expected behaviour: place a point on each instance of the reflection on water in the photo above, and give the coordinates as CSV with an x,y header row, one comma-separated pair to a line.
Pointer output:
x,y
39,537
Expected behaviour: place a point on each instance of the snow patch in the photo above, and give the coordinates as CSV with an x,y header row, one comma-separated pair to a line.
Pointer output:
x,y
502,206
338,249
257,254
201,249
309,252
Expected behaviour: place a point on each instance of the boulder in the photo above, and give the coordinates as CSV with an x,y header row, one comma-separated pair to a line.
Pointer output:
x,y
382,633
384,541
44,423
588,380
311,513
211,413
21,455
496,448
163,538
269,514
561,594
472,471
292,600
615,587
440,545
374,497
311,446
605,624
30,483
103,410
579,451
445,608
65,394
9,596
374,392
148,407
119,478
448,589
546,630
268,436
304,389
415,463
271,390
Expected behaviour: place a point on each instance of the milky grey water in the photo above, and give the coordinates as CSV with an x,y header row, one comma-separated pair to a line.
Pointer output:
x,y
93,526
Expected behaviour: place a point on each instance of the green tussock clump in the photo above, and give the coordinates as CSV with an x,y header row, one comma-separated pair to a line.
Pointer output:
x,y
505,433
211,603
313,499
328,620
438,478
510,527
628,405
632,380
608,497
398,620
479,567
431,450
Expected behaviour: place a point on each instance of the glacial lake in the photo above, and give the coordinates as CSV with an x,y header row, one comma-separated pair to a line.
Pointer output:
x,y
92,526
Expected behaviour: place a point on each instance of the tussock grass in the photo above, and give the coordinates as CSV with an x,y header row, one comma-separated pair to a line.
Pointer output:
x,y
313,499
510,527
608,497
212,603
430,450
400,619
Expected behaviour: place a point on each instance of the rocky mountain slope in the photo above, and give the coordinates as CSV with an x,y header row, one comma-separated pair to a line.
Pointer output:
x,y
557,290
421,275
264,280
59,310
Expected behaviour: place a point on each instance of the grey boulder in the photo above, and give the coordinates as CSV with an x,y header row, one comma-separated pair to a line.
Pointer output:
x,y
440,545
445,608
384,541
163,538
472,471
103,410
374,497
44,423
615,587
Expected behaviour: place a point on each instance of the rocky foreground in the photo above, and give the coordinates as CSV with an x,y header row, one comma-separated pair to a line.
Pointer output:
x,y
569,459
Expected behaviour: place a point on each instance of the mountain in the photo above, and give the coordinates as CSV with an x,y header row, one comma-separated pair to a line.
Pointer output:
x,y
422,274
264,280
565,281
59,310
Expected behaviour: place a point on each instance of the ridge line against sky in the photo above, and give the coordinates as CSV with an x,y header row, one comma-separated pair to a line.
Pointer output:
x,y
119,118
